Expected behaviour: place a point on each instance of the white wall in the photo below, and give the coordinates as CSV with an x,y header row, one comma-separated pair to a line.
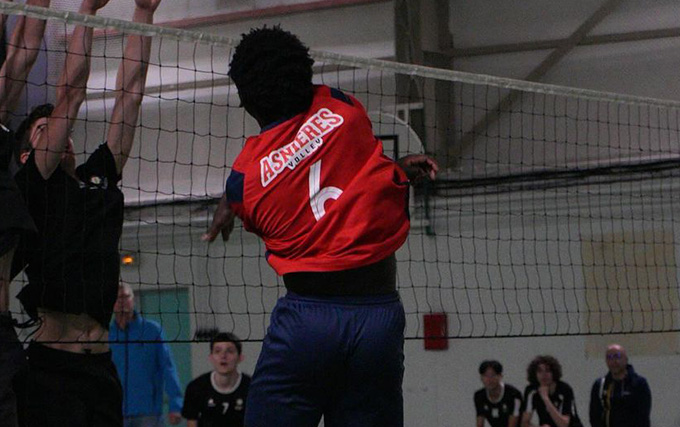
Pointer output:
x,y
494,271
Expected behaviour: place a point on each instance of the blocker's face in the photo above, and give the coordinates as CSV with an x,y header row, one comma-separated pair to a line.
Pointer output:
x,y
37,128
224,357
68,158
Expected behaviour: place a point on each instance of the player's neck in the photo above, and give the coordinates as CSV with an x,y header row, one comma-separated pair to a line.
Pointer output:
x,y
226,381
495,394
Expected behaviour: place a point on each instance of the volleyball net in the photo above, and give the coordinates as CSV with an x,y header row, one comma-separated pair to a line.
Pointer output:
x,y
554,213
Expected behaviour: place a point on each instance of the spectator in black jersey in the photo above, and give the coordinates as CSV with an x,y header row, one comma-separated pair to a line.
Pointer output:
x,y
218,398
498,403
73,268
15,221
548,396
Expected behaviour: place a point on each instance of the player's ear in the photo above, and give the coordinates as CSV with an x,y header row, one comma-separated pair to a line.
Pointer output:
x,y
240,358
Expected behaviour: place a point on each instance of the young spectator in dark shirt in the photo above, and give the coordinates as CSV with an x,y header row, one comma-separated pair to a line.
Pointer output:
x,y
548,396
498,403
218,398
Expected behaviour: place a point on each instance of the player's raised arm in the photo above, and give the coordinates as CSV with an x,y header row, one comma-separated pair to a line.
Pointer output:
x,y
130,83
3,22
222,222
71,90
22,51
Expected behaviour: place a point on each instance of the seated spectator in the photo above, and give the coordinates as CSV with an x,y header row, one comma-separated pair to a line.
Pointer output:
x,y
218,398
498,403
551,398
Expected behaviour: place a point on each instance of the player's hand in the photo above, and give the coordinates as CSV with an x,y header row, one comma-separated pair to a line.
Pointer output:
x,y
174,418
223,222
418,166
544,392
150,5
94,5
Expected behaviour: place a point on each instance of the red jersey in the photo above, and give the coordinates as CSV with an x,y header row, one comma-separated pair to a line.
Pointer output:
x,y
319,191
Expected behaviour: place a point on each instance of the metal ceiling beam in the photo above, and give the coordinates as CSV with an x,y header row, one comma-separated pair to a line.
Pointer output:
x,y
601,39
535,75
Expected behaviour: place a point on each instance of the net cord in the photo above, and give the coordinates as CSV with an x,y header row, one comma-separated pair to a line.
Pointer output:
x,y
413,70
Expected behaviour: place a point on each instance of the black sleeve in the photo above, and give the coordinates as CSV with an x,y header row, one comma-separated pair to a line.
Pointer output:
x,y
6,147
527,403
478,403
191,407
568,406
100,163
643,399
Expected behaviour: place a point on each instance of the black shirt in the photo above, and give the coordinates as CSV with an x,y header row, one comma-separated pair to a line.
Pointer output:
x,y
74,263
204,403
562,398
498,413
14,217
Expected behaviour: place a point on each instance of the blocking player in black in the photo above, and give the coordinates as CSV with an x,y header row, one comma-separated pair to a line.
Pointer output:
x,y
74,266
498,403
218,398
551,398
15,221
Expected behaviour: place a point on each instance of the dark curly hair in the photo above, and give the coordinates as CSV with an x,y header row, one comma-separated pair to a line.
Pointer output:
x,y
548,361
272,71
22,142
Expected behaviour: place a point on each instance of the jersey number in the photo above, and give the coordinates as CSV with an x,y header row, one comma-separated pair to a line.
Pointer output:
x,y
319,196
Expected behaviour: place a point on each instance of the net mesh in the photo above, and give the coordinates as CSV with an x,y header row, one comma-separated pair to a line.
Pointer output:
x,y
554,213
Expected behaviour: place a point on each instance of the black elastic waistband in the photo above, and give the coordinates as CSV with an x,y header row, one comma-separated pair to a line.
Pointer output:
x,y
379,278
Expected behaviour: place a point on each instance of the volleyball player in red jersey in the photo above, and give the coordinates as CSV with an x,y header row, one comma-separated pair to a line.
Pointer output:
x,y
332,211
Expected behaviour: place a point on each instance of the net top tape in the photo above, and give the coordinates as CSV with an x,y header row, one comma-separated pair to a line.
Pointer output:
x,y
128,27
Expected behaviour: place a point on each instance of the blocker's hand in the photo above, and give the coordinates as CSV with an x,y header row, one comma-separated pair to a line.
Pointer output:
x,y
223,222
418,167
94,5
150,5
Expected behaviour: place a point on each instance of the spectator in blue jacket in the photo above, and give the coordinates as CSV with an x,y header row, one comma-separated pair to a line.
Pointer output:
x,y
144,364
621,398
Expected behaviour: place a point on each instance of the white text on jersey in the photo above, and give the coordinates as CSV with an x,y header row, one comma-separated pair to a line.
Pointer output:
x,y
308,139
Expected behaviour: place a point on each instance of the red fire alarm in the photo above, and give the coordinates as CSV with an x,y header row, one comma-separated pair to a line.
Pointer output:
x,y
436,331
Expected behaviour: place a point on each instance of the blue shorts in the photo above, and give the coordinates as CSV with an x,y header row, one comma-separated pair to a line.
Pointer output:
x,y
340,357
